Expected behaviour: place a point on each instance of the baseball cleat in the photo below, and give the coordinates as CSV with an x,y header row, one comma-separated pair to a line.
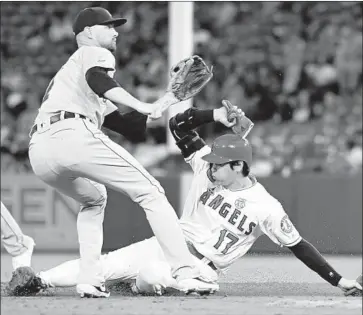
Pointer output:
x,y
24,259
197,285
90,291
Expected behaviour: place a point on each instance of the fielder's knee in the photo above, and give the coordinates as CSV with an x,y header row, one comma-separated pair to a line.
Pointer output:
x,y
96,201
154,194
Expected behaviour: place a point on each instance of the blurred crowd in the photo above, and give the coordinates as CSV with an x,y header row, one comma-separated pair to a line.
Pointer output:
x,y
294,67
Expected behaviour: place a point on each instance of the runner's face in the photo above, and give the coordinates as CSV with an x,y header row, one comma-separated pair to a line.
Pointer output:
x,y
223,174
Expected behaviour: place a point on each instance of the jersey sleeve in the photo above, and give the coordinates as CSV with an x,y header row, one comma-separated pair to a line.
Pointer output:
x,y
97,57
279,228
195,159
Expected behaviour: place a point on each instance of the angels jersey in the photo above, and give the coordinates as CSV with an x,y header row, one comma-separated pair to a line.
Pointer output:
x,y
223,224
69,90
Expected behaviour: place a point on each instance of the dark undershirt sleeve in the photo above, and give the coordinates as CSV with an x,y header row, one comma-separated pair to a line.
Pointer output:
x,y
131,125
312,258
99,81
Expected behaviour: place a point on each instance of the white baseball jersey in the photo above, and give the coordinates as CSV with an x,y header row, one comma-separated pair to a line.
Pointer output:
x,y
69,90
223,224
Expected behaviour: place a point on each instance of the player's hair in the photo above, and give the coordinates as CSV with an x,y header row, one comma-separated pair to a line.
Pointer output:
x,y
245,167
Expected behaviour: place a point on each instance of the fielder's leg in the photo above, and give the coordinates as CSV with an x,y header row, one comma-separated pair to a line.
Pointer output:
x,y
113,166
17,244
93,197
83,150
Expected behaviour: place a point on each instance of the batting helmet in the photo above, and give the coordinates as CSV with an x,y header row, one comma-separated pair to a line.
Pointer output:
x,y
229,148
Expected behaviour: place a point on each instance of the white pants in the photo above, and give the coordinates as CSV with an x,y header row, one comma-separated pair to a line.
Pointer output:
x,y
79,160
15,242
126,264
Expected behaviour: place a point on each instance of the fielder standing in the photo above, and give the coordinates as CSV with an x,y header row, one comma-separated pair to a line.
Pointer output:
x,y
69,152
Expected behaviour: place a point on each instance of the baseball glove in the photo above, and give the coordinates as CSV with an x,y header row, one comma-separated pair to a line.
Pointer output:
x,y
188,77
243,124
23,282
355,291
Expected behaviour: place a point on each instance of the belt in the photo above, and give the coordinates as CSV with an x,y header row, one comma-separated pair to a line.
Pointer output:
x,y
57,117
195,253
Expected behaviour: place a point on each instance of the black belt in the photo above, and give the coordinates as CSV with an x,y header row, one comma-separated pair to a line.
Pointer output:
x,y
194,252
55,118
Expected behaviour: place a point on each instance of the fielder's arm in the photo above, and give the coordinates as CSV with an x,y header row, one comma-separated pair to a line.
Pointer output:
x,y
131,125
105,86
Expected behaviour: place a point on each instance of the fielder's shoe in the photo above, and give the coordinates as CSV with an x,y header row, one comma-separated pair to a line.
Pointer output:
x,y
198,285
90,291
24,259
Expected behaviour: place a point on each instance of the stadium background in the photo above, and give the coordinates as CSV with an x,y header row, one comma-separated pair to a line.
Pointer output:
x,y
294,67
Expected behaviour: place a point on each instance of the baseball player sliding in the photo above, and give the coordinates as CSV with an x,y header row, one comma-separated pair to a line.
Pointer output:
x,y
18,245
225,212
69,152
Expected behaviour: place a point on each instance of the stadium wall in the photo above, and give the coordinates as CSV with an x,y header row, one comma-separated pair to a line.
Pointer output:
x,y
327,210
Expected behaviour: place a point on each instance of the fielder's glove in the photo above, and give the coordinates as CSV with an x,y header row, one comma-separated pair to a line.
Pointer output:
x,y
24,282
243,124
188,77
